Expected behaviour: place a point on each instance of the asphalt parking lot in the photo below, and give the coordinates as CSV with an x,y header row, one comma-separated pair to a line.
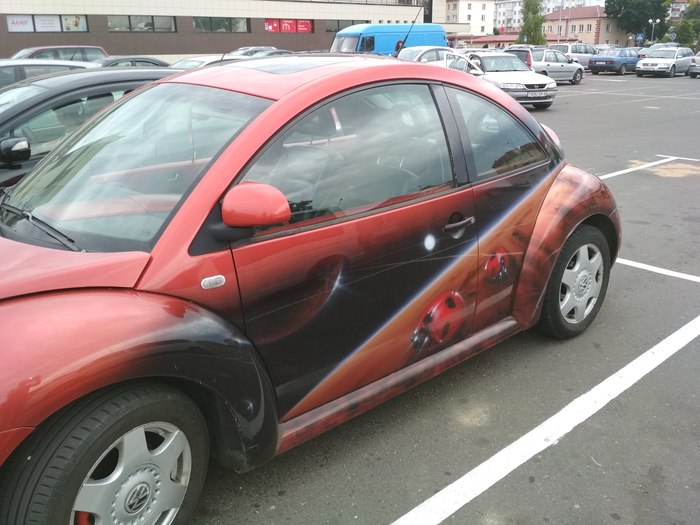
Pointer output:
x,y
604,428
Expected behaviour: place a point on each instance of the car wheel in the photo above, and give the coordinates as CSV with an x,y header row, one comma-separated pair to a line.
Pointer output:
x,y
577,77
672,72
639,74
595,72
578,284
693,75
542,105
622,70
128,454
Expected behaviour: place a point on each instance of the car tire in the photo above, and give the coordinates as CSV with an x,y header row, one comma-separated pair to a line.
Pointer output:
x,y
542,105
126,454
640,74
578,75
622,70
595,72
693,75
578,284
672,72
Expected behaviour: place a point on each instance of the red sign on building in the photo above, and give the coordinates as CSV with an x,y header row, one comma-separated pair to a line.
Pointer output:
x,y
304,26
272,25
288,26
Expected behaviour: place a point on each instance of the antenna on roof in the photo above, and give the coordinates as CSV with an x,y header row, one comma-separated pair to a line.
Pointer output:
x,y
403,42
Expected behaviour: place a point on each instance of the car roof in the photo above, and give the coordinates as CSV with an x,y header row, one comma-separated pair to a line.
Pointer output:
x,y
78,78
275,77
45,62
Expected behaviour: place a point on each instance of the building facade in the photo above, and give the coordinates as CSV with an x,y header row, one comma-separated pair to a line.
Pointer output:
x,y
589,25
180,27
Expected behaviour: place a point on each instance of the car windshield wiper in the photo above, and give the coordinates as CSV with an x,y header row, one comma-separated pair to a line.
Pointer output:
x,y
44,226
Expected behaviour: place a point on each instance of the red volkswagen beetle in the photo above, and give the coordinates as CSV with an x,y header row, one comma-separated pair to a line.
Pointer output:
x,y
231,261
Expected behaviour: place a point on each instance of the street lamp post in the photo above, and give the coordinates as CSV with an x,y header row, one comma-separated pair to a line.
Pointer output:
x,y
653,25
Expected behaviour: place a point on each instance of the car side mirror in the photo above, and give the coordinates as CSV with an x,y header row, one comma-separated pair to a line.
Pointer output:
x,y
14,150
251,204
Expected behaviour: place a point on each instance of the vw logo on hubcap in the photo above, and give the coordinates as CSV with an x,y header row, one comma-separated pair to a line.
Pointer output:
x,y
583,284
138,498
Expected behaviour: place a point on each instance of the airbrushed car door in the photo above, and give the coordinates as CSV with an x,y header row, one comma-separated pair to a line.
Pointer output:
x,y
509,169
377,267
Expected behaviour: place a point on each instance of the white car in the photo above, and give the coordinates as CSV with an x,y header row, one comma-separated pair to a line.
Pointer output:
x,y
667,61
513,76
439,56
694,68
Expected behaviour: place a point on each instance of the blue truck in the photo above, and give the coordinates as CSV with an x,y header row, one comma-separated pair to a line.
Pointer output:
x,y
382,39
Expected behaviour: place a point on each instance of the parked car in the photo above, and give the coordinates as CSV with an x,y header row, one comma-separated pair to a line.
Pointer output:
x,y
228,263
582,53
14,70
666,61
550,62
513,76
644,52
36,114
439,56
694,68
617,60
132,61
78,52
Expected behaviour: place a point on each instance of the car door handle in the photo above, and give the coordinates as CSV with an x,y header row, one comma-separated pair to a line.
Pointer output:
x,y
458,225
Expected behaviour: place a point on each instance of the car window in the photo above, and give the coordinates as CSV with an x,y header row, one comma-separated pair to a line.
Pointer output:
x,y
70,53
92,53
363,151
550,56
560,57
7,75
46,53
35,71
496,143
537,54
48,128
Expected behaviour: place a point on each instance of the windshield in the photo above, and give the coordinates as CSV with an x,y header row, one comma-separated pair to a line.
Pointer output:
x,y
663,53
409,53
345,44
13,94
116,182
492,64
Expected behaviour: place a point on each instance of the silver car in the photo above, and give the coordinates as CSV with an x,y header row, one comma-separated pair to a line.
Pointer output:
x,y
581,53
513,76
552,63
694,68
666,61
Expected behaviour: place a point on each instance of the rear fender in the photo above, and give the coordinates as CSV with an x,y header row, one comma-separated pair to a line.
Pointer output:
x,y
60,347
574,198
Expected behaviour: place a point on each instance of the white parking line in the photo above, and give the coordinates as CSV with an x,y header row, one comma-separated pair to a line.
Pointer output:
x,y
665,160
662,271
453,497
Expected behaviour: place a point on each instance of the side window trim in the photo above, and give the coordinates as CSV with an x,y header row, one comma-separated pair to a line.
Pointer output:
x,y
473,177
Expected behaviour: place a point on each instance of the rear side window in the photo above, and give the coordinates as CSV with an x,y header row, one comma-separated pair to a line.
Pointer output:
x,y
70,53
46,53
495,142
92,53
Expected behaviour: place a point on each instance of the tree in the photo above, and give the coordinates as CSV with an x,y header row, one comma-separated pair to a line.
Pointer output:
x,y
633,15
531,32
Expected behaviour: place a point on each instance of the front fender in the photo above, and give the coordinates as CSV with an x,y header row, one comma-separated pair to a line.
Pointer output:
x,y
575,197
59,347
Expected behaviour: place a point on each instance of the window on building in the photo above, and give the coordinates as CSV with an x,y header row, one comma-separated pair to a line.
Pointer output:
x,y
589,27
580,28
469,6
469,18
483,18
607,27
483,7
160,24
215,24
